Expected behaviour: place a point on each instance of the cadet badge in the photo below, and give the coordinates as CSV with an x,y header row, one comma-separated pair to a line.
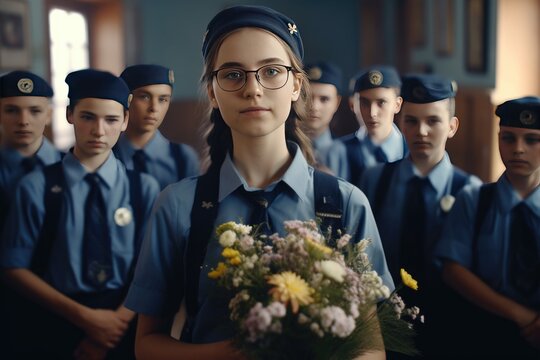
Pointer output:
x,y
419,93
447,201
375,78
56,189
171,76
25,85
130,97
207,205
123,216
526,117
315,73
292,28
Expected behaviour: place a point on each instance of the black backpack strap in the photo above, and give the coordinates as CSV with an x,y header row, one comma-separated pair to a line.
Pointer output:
x,y
382,187
328,202
356,166
136,202
459,180
55,185
203,216
485,199
177,153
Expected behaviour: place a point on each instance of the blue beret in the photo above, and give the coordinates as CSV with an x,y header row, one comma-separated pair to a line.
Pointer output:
x,y
137,76
325,73
522,113
24,83
90,83
427,88
253,16
375,77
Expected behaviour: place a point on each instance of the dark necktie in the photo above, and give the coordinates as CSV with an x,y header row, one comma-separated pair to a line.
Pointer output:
x,y
413,227
97,263
524,261
380,156
262,200
139,161
29,164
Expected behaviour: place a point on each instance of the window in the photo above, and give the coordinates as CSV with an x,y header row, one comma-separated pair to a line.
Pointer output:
x,y
68,31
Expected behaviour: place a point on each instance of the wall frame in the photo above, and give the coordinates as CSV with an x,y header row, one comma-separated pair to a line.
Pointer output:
x,y
476,12
14,35
444,27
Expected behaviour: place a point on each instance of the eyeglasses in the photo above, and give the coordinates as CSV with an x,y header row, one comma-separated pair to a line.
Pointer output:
x,y
271,77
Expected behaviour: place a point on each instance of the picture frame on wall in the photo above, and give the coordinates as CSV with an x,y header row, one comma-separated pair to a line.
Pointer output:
x,y
444,27
14,35
476,25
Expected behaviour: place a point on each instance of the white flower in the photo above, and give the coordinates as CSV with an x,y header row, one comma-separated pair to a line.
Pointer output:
x,y
242,229
447,201
333,270
227,239
363,244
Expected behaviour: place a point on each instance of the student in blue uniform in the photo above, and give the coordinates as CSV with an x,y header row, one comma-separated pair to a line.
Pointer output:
x,y
142,147
325,79
73,235
490,247
411,197
378,140
25,110
257,91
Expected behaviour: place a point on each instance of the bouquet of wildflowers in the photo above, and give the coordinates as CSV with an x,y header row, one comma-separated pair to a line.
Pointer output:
x,y
297,298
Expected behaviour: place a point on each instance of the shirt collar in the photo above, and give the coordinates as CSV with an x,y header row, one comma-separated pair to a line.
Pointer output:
x,y
75,171
392,146
295,176
152,149
438,177
510,198
47,153
323,141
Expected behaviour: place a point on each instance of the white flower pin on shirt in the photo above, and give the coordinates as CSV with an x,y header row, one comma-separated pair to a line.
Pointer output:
x,y
207,205
122,216
447,201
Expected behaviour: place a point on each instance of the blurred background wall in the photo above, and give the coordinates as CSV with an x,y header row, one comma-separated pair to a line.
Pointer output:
x,y
489,47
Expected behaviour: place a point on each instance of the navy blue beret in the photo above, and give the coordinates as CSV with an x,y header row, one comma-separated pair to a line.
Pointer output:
x,y
375,77
137,76
522,113
325,73
24,83
90,83
427,88
253,16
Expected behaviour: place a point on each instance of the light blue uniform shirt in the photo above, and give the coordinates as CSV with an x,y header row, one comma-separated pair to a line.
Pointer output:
x,y
11,169
23,226
391,214
331,153
361,151
160,162
493,241
155,290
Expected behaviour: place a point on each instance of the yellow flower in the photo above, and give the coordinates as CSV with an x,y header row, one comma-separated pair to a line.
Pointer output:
x,y
408,280
235,260
230,253
290,287
319,249
218,272
224,227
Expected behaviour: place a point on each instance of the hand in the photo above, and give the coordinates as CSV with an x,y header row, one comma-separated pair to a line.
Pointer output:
x,y
105,327
531,332
90,350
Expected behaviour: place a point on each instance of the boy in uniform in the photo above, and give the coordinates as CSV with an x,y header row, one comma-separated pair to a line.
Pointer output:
x,y
377,96
325,79
490,247
416,193
142,147
73,235
25,110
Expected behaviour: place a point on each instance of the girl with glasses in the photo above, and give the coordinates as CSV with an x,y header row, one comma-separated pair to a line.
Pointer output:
x,y
257,92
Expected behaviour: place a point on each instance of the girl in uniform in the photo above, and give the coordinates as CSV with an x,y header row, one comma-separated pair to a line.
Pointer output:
x,y
257,91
